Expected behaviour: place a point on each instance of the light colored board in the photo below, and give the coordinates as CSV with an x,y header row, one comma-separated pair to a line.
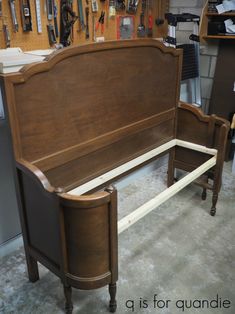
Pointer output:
x,y
199,148
138,161
145,209
34,40
121,169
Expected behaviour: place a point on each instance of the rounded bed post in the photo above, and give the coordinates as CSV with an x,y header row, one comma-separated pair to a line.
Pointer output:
x,y
219,166
89,243
68,299
112,302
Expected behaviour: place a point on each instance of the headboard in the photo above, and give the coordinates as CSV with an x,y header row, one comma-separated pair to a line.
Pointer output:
x,y
87,109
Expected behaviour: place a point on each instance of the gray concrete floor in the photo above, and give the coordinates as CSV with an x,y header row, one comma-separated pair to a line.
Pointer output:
x,y
178,253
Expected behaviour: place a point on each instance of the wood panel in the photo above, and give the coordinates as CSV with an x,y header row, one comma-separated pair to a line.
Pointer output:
x,y
104,98
85,168
33,40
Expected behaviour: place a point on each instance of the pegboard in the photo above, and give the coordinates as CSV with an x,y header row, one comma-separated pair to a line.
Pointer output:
x,y
33,40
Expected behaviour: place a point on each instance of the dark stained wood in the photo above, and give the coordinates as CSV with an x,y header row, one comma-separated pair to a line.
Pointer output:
x,y
68,299
100,142
85,111
88,255
113,302
62,116
83,169
210,131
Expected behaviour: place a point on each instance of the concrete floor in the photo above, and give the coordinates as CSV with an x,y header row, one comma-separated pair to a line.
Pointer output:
x,y
178,252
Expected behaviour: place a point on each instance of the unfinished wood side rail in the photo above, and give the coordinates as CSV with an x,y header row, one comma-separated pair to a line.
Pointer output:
x,y
137,161
145,209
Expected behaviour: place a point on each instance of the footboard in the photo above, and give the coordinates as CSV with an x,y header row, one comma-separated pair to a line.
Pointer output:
x,y
210,131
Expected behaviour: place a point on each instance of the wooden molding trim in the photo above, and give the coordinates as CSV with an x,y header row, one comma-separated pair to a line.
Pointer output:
x,y
35,173
29,70
201,116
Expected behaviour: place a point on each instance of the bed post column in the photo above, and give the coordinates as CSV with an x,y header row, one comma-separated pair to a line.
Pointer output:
x,y
32,265
219,167
112,302
210,141
113,248
204,190
171,168
68,299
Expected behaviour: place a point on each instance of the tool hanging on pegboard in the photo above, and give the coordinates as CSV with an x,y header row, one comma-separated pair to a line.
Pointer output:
x,y
38,16
149,30
51,34
125,27
0,8
6,33
94,6
100,22
112,8
160,19
141,27
132,6
87,36
13,15
55,11
68,18
120,5
80,16
26,15
49,5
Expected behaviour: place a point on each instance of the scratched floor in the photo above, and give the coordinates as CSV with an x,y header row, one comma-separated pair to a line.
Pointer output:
x,y
178,252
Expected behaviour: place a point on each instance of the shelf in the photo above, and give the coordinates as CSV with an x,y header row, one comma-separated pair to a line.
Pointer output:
x,y
219,37
222,14
207,17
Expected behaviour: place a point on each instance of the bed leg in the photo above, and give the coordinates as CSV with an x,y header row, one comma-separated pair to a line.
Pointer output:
x,y
204,193
214,201
32,266
68,299
171,169
113,302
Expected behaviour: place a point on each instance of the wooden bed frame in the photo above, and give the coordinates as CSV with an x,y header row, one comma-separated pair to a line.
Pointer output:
x,y
83,118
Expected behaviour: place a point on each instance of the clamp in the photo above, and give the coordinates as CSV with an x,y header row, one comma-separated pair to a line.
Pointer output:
x,y
100,22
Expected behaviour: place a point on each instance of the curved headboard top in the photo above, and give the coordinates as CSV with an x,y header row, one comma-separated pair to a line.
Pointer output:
x,y
86,97
58,55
